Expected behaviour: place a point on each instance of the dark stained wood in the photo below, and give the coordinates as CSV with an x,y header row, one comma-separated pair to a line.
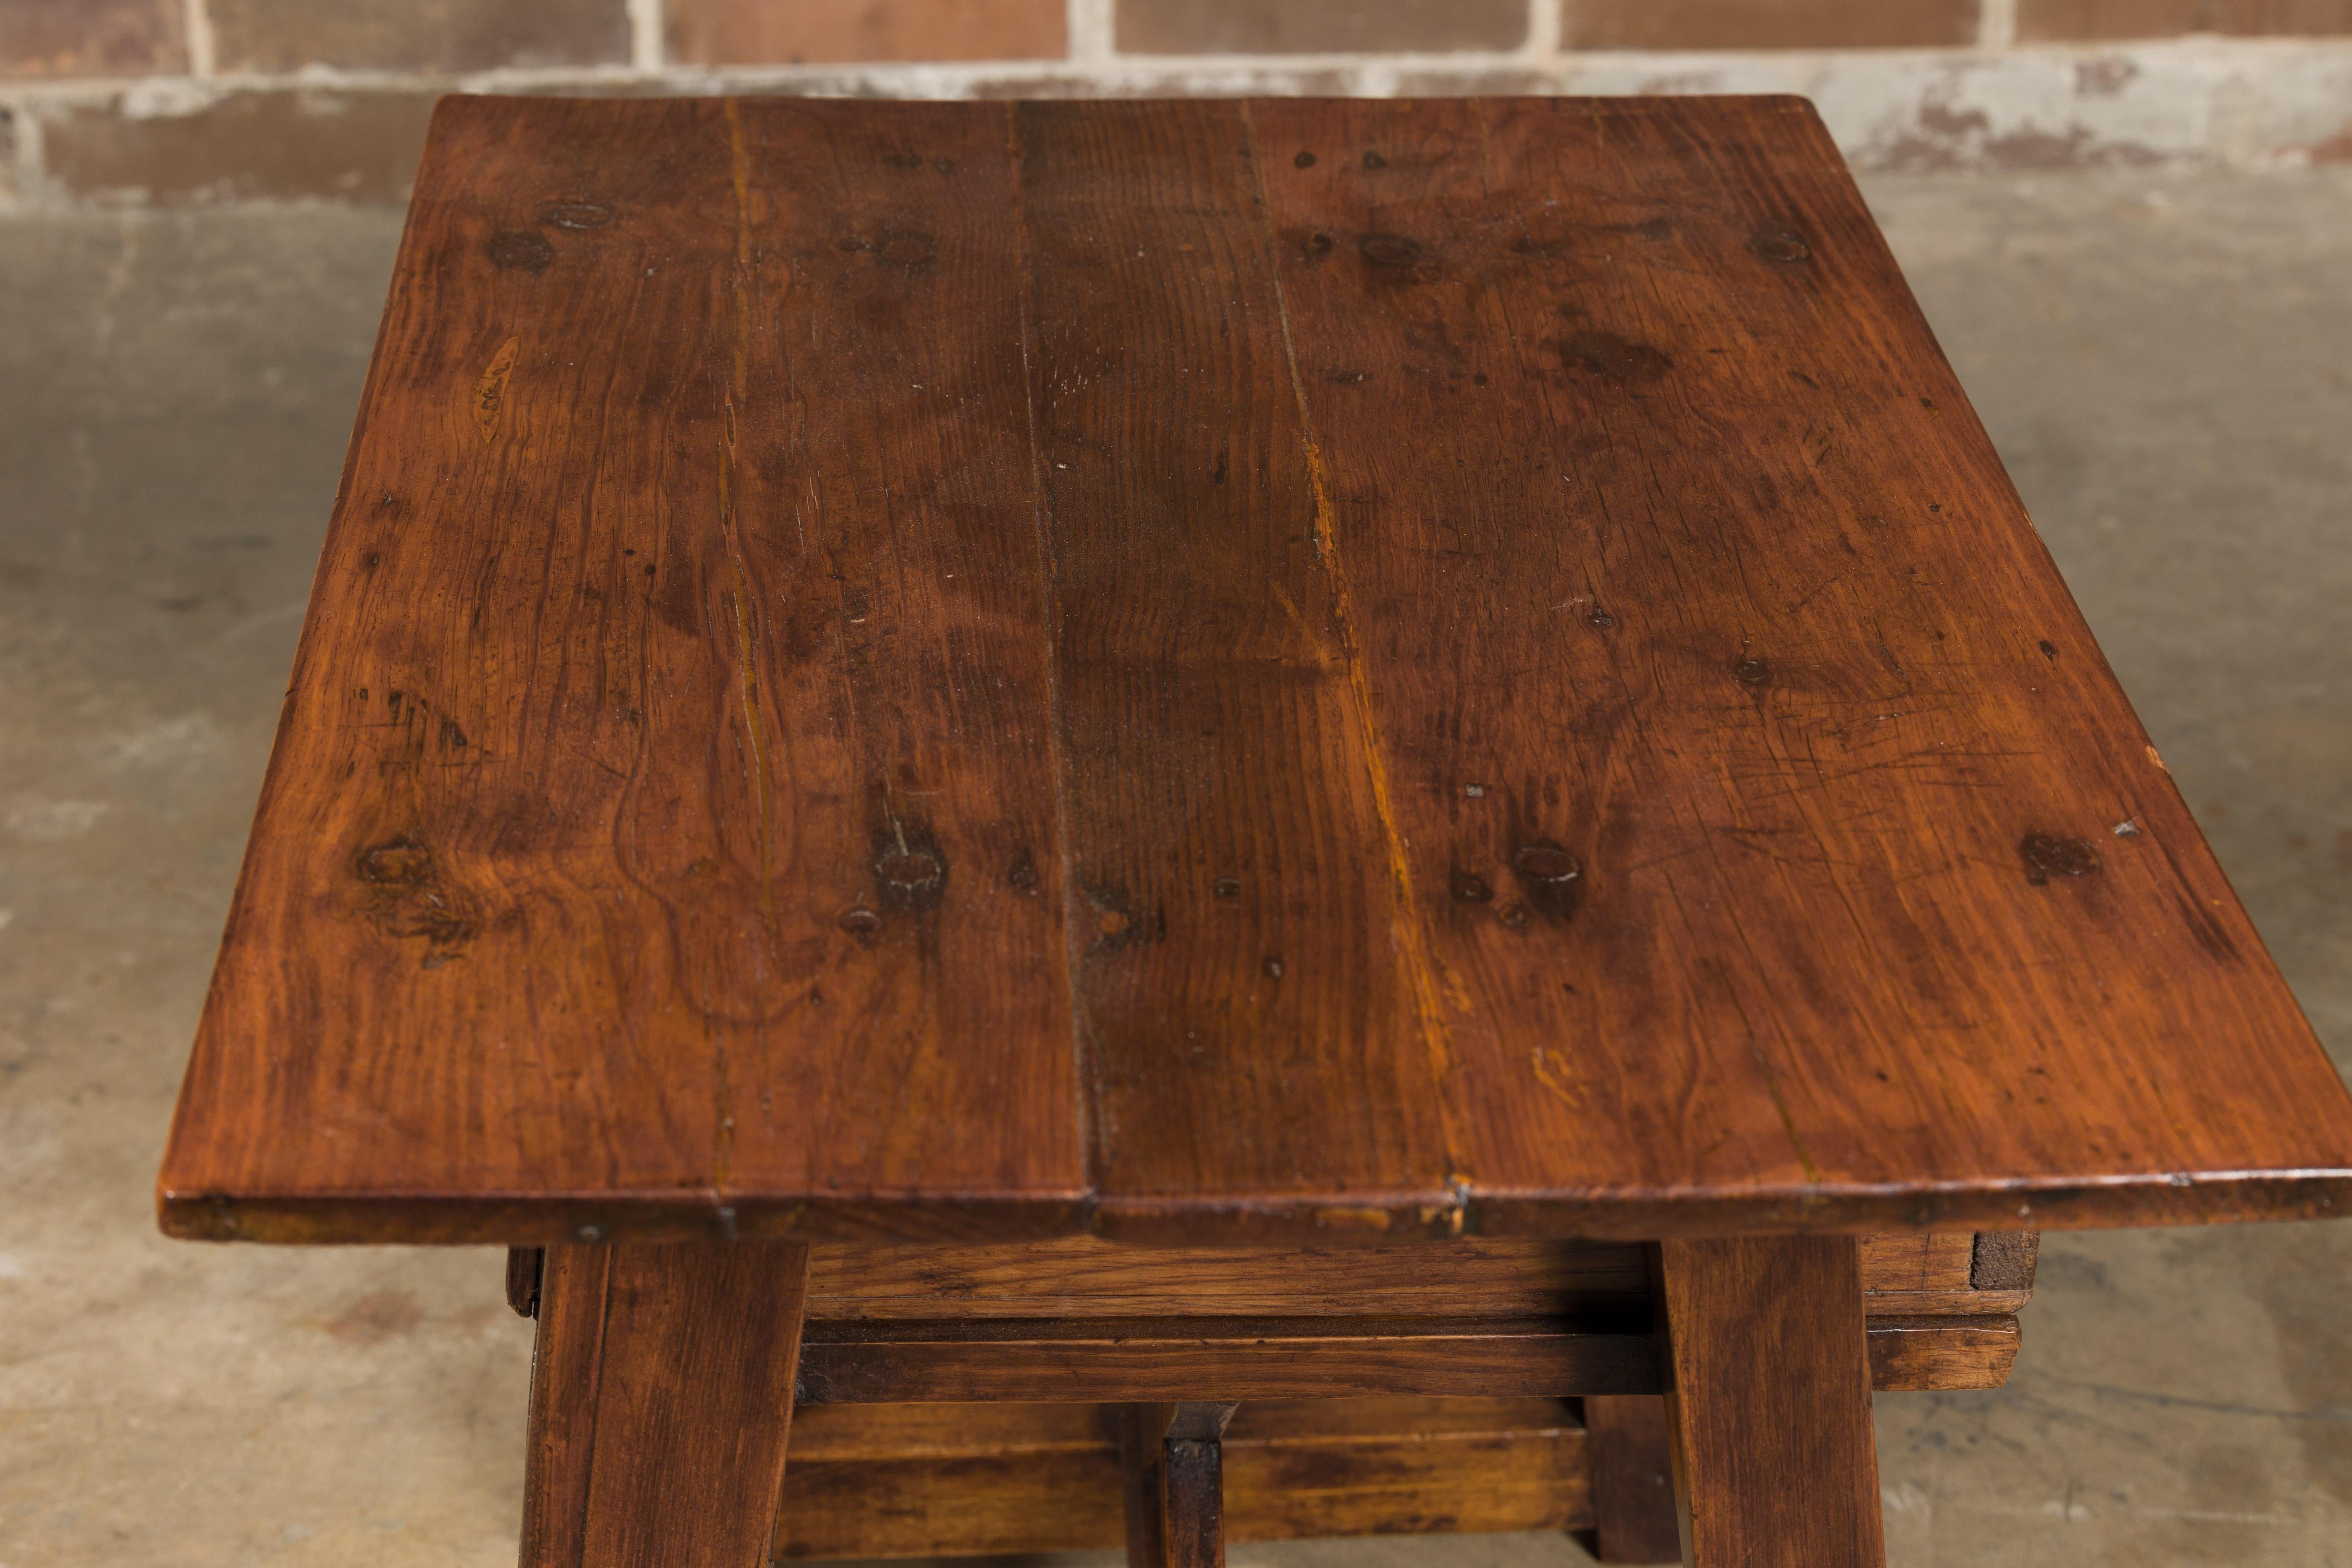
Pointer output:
x,y
1173,1491
524,1264
1517,1276
885,1480
1636,1515
1192,1502
1756,776
2004,1261
1770,1402
1146,1359
1931,1261
1081,1276
661,1402
1143,1482
1908,1354
1009,1503
1939,1274
1387,1467
1304,674
1225,822
661,835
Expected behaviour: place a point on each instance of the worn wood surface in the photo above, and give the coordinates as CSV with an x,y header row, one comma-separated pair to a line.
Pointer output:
x,y
917,1480
1141,1359
1081,1276
1942,1352
661,1402
1173,1490
1770,1403
1305,673
1636,1517
524,1264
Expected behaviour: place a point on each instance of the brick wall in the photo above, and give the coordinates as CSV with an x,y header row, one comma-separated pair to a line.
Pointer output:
x,y
181,101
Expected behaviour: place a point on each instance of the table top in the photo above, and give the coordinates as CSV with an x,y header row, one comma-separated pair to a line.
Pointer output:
x,y
1284,673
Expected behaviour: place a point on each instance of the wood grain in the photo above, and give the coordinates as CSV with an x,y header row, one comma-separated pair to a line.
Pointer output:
x,y
1908,1354
1165,1359
1083,1276
1714,663
661,1404
1224,827
915,1480
1770,1403
1154,1359
1636,1517
1172,1492
1296,674
660,836
524,1267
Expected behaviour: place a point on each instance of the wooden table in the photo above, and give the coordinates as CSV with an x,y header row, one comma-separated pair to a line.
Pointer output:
x,y
1133,758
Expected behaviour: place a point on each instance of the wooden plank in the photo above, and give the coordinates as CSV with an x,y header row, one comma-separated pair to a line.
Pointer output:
x,y
1313,674
1392,1419
1636,1515
1916,1261
1953,1353
1743,742
867,1434
1769,1404
1478,1471
1193,1504
1894,1304
1143,1483
524,1266
1943,1274
660,837
1082,1276
1159,1359
1172,1470
916,1480
981,1504
1251,1032
661,1404
1146,1359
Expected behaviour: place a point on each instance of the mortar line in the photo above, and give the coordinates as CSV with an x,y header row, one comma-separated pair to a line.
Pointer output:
x,y
1996,24
1092,28
645,40
196,24
1542,48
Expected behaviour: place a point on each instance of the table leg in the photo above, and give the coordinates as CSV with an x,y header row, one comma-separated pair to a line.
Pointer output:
x,y
1769,1400
661,1398
1174,1459
1635,1516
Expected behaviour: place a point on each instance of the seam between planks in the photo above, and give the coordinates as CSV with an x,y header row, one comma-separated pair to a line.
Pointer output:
x,y
1410,931
1085,1095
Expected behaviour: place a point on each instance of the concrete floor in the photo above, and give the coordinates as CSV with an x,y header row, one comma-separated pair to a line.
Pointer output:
x,y
2161,358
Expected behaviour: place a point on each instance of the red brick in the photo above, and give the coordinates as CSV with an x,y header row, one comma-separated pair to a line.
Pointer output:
x,y
356,146
1768,23
1317,27
417,35
788,32
92,38
2043,21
